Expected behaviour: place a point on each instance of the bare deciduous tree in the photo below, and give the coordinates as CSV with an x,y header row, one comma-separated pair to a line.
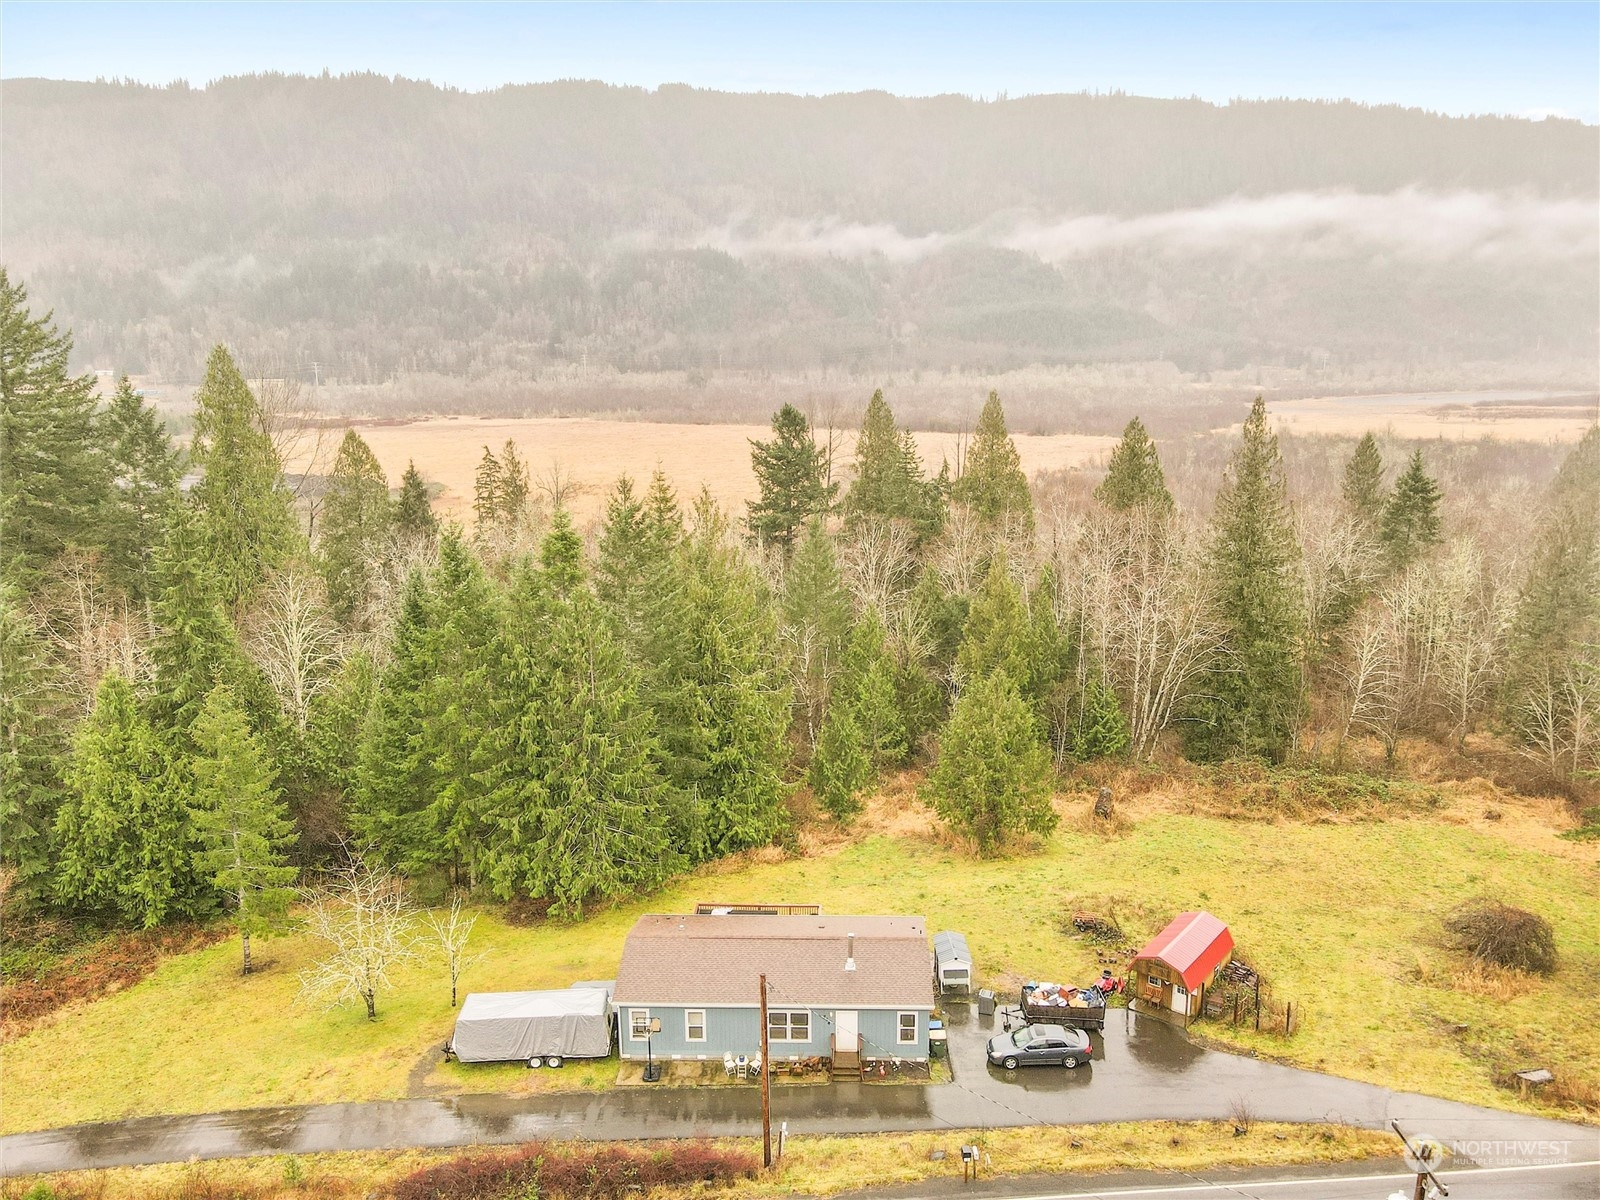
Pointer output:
x,y
1367,671
365,919
294,642
876,563
449,932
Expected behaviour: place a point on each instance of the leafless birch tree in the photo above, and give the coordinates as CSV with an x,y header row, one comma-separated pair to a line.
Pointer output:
x,y
365,920
449,932
295,643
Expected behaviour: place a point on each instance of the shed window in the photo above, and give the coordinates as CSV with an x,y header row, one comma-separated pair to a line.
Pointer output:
x,y
694,1025
908,1029
785,1026
638,1024
1156,982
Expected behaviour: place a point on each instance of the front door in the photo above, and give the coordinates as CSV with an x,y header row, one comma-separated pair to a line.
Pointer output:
x,y
846,1027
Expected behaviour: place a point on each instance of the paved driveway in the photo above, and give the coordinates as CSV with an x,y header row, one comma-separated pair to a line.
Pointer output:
x,y
1142,1070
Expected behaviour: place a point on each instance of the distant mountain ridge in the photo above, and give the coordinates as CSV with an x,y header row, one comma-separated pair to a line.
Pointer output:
x,y
380,227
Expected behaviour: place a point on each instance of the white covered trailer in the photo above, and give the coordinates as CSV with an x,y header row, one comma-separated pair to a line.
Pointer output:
x,y
952,961
533,1027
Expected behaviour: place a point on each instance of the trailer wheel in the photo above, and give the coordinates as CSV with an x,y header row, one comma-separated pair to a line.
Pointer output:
x,y
535,1063
553,1061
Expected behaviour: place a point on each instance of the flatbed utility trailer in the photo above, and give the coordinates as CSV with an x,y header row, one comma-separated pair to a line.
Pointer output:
x,y
1074,1014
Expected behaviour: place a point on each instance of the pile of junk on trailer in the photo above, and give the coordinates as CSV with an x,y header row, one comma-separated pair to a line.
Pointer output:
x,y
1059,1004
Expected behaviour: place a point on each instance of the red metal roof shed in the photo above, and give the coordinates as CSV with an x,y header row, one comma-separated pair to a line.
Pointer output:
x,y
1194,944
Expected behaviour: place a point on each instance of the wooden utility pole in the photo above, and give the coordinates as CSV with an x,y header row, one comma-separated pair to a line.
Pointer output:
x,y
766,1084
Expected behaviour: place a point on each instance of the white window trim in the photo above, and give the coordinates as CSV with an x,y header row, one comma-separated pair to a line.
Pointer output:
x,y
788,1015
900,1029
689,1023
633,1025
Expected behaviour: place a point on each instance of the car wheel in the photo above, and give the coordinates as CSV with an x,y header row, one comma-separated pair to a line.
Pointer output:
x,y
1069,1062
553,1061
1010,1063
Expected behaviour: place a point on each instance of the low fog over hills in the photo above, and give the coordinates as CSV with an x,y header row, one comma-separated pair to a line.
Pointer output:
x,y
389,228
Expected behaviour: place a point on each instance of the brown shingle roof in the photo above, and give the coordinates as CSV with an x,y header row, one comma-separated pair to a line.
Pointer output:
x,y
719,960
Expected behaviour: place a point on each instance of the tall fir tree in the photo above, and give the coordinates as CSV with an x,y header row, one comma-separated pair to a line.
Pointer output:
x,y
487,489
247,522
1410,522
816,625
1101,729
998,635
635,557
720,694
993,779
242,832
357,522
868,689
122,834
792,474
1553,654
889,484
35,715
840,770
1134,478
1363,487
54,480
1255,698
413,513
145,470
992,483
575,808
195,646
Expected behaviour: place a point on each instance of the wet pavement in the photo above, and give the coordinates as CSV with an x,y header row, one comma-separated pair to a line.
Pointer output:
x,y
1143,1069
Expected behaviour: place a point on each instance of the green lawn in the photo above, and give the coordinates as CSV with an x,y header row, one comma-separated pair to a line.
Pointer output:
x,y
1342,918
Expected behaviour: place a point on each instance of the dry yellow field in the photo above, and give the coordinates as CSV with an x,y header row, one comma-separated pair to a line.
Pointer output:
x,y
594,452
1508,416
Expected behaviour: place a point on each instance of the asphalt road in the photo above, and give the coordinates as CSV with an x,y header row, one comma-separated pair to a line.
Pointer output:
x,y
1142,1070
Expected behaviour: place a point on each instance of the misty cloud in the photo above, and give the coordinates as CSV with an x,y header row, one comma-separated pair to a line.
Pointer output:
x,y
1410,224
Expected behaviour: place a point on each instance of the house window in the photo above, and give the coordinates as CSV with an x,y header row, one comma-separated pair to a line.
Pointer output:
x,y
908,1029
695,1025
638,1024
784,1026
1154,982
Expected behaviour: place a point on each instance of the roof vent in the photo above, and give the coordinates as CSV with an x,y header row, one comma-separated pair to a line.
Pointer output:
x,y
850,952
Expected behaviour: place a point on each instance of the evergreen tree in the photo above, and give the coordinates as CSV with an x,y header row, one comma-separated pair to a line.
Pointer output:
x,y
840,769
1554,645
1363,484
992,483
397,778
719,693
993,778
122,834
195,645
144,470
1134,478
413,514
1254,699
335,725
488,487
514,485
816,624
561,555
868,690
1411,516
54,482
635,558
998,631
792,473
34,712
240,825
357,518
889,483
1101,730
247,523
575,807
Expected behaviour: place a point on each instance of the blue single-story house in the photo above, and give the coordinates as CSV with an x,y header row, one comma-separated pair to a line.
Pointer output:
x,y
852,990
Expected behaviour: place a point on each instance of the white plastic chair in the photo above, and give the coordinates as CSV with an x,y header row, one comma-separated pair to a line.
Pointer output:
x,y
755,1066
727,1063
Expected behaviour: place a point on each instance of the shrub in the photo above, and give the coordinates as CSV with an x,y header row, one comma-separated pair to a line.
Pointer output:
x,y
594,1171
1497,933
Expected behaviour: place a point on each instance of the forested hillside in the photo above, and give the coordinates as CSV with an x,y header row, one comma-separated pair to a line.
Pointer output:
x,y
205,693
378,228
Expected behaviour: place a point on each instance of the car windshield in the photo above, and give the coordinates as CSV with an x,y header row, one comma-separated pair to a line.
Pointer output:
x,y
1022,1036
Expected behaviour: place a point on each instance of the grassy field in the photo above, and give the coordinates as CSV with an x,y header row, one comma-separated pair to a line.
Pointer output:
x,y
812,1166
1342,916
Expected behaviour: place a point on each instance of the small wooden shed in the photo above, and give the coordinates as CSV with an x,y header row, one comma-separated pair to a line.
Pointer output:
x,y
1176,966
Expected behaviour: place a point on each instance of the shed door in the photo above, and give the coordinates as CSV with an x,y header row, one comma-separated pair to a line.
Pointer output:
x,y
847,1026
